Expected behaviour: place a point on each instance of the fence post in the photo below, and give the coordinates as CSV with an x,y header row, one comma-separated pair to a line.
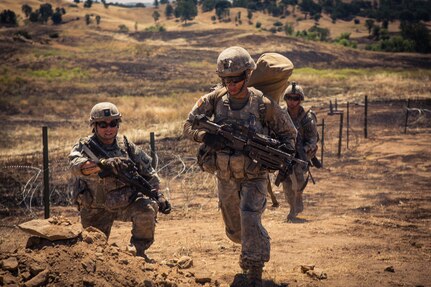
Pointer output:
x,y
336,104
340,139
331,109
153,150
347,126
407,116
322,141
45,171
366,118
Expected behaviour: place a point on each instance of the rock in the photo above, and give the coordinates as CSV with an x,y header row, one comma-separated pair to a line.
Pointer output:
x,y
51,229
10,264
89,265
40,279
8,280
36,268
93,235
317,274
202,277
390,269
185,262
305,268
25,275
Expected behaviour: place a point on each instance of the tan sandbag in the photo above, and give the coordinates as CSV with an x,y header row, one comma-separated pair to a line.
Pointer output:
x,y
271,75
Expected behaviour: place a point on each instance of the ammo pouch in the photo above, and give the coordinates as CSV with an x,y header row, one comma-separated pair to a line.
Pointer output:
x,y
206,159
119,198
81,195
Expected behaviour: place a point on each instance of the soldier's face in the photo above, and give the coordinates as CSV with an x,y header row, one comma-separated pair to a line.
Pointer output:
x,y
234,88
107,130
293,102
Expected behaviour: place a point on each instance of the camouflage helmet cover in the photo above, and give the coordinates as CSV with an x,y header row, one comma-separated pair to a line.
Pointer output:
x,y
233,61
104,111
294,89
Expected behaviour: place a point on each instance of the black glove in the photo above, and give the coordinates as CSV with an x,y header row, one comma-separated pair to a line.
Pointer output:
x,y
115,164
164,205
215,142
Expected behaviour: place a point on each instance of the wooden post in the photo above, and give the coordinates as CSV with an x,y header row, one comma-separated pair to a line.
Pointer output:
x,y
347,126
322,141
153,150
331,109
407,116
366,118
336,104
45,171
341,134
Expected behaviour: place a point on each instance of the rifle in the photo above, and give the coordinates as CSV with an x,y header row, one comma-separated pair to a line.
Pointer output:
x,y
263,150
129,175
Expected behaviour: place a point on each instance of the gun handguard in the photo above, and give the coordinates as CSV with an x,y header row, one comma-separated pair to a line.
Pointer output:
x,y
128,176
262,149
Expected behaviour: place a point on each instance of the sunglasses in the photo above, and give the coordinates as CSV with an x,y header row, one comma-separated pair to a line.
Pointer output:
x,y
293,98
104,125
235,80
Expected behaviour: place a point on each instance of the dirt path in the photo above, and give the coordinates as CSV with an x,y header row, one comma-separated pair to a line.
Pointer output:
x,y
367,222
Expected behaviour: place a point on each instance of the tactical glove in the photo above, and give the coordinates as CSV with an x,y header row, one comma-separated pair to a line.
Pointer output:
x,y
164,205
215,142
115,164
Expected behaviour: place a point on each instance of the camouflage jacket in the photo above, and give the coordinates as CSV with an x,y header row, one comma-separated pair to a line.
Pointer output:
x,y
308,137
100,187
267,114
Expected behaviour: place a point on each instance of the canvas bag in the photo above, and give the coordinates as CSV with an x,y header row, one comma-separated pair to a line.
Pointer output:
x,y
271,75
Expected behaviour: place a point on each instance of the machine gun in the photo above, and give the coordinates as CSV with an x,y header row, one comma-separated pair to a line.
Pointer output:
x,y
263,150
129,175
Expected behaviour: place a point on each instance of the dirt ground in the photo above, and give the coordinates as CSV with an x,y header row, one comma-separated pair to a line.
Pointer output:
x,y
366,222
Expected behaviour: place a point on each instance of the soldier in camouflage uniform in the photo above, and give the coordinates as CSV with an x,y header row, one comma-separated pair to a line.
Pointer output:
x,y
306,148
242,186
103,200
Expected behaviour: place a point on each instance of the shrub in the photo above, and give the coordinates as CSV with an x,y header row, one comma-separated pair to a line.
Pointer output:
x,y
8,18
155,28
123,28
258,25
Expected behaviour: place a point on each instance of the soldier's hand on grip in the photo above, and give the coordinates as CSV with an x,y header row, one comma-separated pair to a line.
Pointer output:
x,y
116,164
216,142
164,205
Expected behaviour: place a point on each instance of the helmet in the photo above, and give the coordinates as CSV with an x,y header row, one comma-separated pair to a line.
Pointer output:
x,y
294,89
233,61
104,111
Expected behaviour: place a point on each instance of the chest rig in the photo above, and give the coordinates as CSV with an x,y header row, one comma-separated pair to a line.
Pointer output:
x,y
252,115
235,164
100,187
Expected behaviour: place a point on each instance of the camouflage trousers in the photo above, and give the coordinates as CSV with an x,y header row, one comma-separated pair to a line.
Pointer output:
x,y
142,213
293,187
242,203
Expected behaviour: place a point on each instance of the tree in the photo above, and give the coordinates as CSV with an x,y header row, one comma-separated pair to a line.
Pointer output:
x,y
77,1
88,3
419,34
34,16
57,17
8,18
45,12
186,10
156,15
208,5
249,16
156,3
169,11
26,9
369,23
87,19
164,1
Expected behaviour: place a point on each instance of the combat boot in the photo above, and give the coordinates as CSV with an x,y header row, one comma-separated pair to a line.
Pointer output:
x,y
254,276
